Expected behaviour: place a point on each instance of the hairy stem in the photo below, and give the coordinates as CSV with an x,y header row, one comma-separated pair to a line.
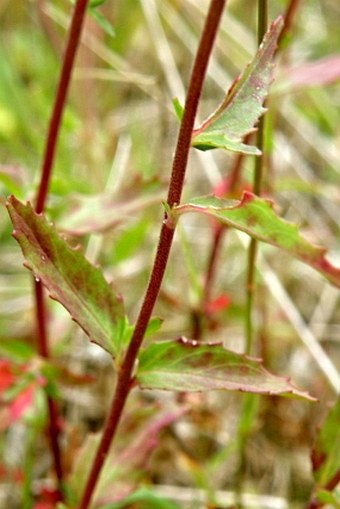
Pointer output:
x,y
50,146
124,376
60,99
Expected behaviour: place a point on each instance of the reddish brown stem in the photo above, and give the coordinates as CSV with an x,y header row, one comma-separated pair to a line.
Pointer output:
x,y
330,486
124,380
51,142
59,104
334,481
288,17
53,427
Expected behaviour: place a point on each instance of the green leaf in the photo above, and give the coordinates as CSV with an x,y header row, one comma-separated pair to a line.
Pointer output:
x,y
96,3
187,365
16,350
216,139
326,450
256,217
178,109
242,106
329,498
145,499
70,278
102,22
153,326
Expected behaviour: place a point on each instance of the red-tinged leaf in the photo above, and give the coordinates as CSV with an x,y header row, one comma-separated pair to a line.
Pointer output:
x,y
191,366
7,376
219,304
21,403
70,278
126,464
326,450
320,72
241,108
256,217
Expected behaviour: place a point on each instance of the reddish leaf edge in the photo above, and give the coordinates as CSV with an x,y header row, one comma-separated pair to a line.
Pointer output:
x,y
292,392
317,260
11,200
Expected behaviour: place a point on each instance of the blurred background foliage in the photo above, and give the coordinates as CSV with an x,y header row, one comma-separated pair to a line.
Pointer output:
x,y
110,175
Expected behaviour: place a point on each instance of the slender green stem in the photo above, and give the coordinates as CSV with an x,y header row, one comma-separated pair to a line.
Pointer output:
x,y
257,187
248,402
124,376
229,185
46,170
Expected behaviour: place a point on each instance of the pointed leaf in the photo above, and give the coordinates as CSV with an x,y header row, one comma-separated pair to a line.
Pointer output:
x,y
326,451
187,365
329,498
243,105
256,217
178,109
70,278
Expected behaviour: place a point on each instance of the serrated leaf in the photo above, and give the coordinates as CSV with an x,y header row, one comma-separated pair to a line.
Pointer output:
x,y
326,450
216,139
242,106
70,279
187,365
256,217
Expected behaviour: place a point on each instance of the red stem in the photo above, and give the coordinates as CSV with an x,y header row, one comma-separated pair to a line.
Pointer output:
x,y
50,147
53,427
59,104
124,379
330,486
288,17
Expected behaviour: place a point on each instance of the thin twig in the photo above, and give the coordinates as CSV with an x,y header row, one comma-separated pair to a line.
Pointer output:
x,y
124,378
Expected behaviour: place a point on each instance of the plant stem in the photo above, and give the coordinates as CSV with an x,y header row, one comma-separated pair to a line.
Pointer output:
x,y
60,99
249,402
229,185
53,427
50,147
124,375
257,187
288,17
